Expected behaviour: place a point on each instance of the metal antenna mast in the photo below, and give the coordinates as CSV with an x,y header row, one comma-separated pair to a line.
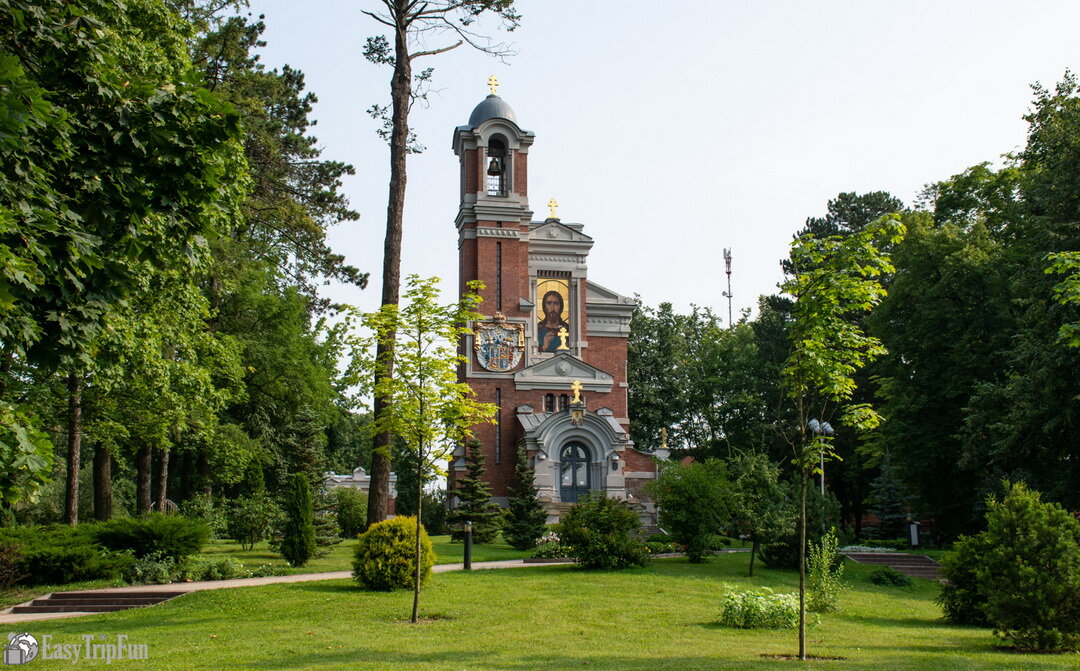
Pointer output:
x,y
727,294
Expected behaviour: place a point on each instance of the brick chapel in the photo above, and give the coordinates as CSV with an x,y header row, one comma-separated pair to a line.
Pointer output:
x,y
551,349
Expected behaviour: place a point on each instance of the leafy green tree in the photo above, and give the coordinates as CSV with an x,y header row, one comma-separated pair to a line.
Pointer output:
x,y
431,410
411,24
298,534
251,519
473,501
526,519
833,277
946,323
351,506
113,151
695,502
762,510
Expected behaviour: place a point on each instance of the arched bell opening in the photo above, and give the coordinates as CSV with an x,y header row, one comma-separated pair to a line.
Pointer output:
x,y
497,170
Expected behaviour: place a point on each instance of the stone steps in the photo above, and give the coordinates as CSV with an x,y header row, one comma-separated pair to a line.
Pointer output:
x,y
916,566
94,602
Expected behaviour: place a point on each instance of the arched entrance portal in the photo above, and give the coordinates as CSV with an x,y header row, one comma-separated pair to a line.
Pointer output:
x,y
574,480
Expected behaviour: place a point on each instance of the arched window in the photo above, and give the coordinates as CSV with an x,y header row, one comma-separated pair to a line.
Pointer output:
x,y
497,168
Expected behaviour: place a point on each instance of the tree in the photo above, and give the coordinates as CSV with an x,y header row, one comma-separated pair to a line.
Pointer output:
x,y
833,277
695,501
298,535
429,411
413,25
114,164
473,501
526,519
761,510
1022,573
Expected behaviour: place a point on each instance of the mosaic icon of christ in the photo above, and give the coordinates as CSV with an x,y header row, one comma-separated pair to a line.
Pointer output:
x,y
552,299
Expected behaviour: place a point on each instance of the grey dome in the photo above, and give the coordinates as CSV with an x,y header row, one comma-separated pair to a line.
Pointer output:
x,y
492,107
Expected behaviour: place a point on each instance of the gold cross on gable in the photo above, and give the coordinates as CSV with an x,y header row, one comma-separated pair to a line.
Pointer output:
x,y
564,335
576,388
493,84
554,205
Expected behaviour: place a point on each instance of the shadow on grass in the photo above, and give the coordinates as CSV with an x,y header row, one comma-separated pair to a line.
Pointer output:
x,y
885,621
480,659
330,587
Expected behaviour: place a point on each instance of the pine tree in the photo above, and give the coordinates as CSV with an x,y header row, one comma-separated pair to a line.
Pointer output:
x,y
474,501
298,537
888,501
527,520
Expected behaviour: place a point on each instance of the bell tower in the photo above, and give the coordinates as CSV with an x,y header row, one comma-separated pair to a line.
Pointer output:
x,y
493,217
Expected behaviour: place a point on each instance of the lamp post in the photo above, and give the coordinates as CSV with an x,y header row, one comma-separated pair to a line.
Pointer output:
x,y
468,546
821,429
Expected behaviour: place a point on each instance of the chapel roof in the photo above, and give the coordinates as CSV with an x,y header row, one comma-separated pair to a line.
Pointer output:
x,y
491,107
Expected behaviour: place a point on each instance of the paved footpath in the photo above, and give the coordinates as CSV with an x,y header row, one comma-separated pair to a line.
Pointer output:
x,y
185,587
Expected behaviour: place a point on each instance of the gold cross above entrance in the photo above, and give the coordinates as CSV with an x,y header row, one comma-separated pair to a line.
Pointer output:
x,y
576,387
554,206
493,84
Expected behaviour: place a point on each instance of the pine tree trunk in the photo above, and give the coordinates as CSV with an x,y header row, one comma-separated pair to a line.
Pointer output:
x,y
103,494
400,95
74,456
163,479
142,480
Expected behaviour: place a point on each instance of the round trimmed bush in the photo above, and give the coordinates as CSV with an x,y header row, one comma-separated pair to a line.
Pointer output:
x,y
386,555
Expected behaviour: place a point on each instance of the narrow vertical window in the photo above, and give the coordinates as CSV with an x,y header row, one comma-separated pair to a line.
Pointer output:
x,y
549,403
498,276
498,426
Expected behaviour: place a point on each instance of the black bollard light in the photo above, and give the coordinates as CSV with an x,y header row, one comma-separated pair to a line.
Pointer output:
x,y
468,546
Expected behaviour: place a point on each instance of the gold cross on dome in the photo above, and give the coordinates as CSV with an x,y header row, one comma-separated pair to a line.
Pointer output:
x,y
493,84
554,205
564,335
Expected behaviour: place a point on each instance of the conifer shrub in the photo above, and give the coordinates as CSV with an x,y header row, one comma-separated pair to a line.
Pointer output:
x,y
55,554
327,530
886,576
526,520
474,502
385,556
1022,574
599,534
762,609
298,534
171,536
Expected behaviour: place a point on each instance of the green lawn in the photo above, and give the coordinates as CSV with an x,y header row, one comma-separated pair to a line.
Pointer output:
x,y
341,555
555,617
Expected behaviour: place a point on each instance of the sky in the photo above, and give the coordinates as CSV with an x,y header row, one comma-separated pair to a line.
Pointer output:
x,y
675,130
